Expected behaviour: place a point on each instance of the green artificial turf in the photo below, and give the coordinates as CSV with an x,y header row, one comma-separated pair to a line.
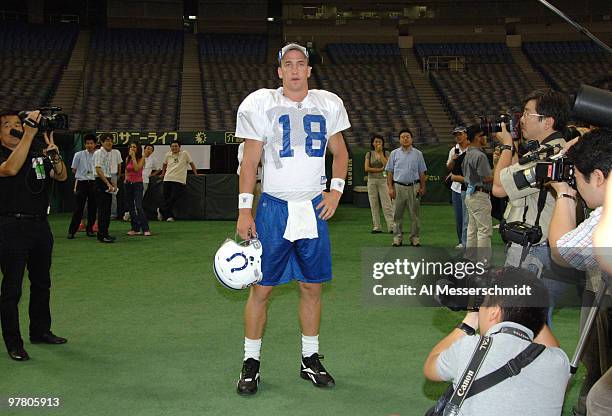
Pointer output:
x,y
151,332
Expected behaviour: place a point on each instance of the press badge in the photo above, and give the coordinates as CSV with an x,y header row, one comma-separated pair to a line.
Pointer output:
x,y
39,167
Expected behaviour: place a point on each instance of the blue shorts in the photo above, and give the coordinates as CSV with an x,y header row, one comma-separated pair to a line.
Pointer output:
x,y
306,260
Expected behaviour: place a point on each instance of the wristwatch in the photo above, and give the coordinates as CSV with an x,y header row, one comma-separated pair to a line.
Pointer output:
x,y
505,147
466,328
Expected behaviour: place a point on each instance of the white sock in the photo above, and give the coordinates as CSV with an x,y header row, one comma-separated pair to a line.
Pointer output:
x,y
310,345
252,348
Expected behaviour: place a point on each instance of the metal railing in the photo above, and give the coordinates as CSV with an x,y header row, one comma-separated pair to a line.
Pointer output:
x,y
436,63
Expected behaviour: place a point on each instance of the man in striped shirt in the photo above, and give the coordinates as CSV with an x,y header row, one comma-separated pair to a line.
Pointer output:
x,y
572,246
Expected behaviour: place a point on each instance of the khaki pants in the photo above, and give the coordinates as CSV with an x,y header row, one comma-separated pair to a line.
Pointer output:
x,y
407,196
378,195
599,400
480,226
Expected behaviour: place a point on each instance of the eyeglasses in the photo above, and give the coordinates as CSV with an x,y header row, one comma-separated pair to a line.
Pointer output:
x,y
526,114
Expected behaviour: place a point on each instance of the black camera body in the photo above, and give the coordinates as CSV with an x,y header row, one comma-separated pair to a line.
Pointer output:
x,y
556,170
464,302
51,119
493,124
520,233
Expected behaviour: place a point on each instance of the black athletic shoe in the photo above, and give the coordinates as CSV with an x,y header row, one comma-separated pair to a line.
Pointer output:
x,y
249,378
313,370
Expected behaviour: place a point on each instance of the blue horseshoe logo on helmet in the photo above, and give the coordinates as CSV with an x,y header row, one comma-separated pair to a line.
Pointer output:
x,y
237,269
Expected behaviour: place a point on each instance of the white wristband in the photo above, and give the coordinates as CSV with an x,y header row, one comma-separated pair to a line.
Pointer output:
x,y
337,184
245,201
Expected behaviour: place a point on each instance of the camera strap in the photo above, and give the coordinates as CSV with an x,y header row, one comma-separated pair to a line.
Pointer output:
x,y
469,375
510,369
468,386
541,203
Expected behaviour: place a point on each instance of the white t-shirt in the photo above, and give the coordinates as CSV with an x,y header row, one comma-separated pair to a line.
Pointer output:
x,y
455,186
295,137
116,159
149,166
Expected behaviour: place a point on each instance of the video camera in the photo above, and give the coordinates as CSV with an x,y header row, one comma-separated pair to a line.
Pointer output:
x,y
51,119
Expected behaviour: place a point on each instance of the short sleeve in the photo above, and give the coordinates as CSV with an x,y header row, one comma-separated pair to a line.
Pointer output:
x,y
188,158
166,157
250,120
118,158
451,152
484,169
422,166
506,177
456,357
75,160
576,246
390,162
97,159
341,121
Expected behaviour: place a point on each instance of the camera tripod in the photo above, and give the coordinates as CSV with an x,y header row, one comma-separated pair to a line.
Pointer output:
x,y
589,324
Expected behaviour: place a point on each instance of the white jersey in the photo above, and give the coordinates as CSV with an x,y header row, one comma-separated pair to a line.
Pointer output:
x,y
295,136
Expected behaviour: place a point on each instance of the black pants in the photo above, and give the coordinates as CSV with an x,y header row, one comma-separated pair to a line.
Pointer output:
x,y
85,193
133,197
25,243
172,193
103,201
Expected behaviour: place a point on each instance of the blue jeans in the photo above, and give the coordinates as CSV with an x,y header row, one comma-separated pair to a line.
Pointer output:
x,y
538,261
465,220
461,216
133,196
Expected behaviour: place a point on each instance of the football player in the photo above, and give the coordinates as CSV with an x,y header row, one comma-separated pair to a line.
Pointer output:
x,y
289,130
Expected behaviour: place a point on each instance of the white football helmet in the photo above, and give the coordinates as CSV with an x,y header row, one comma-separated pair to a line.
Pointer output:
x,y
238,265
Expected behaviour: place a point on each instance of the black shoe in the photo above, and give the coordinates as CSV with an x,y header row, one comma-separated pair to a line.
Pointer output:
x,y
249,378
313,370
376,231
70,236
112,237
91,234
48,338
106,240
18,354
397,244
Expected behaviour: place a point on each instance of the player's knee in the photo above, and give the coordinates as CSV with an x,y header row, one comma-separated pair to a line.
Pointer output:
x,y
260,294
310,291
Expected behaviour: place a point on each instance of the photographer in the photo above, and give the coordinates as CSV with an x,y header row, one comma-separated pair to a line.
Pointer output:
x,y
535,383
478,177
25,236
544,119
572,245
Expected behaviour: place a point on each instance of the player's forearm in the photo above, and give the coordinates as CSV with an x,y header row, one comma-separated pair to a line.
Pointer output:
x,y
390,179
563,221
340,165
248,177
101,175
423,180
17,158
504,161
60,171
